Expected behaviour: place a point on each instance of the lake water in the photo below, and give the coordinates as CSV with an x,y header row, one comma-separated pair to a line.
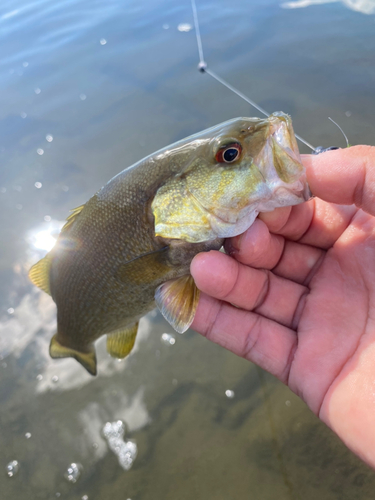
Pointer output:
x,y
87,88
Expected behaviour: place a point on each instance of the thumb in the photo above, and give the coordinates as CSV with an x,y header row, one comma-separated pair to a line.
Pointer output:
x,y
344,176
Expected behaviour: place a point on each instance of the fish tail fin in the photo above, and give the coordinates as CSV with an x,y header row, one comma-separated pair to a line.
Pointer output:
x,y
87,359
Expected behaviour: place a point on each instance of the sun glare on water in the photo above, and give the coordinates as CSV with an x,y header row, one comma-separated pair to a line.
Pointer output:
x,y
44,236
44,241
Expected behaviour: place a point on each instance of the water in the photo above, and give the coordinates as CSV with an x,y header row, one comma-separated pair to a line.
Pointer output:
x,y
168,339
229,394
106,105
126,451
73,472
12,468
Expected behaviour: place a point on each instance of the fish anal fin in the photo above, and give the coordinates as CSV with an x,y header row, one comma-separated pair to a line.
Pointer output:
x,y
121,342
39,273
87,359
178,300
72,217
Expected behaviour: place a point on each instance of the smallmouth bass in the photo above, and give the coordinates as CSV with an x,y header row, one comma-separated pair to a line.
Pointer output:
x,y
132,243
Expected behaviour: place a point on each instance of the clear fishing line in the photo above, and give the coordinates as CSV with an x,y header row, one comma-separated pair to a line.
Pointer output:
x,y
202,66
343,133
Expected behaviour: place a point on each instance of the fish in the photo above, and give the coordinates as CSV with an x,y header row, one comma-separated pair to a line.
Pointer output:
x,y
130,246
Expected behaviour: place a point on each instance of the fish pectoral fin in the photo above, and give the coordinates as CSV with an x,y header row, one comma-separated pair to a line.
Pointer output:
x,y
39,274
178,300
145,268
121,342
87,359
72,217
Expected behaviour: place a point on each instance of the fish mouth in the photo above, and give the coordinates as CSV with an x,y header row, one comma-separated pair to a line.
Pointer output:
x,y
231,223
287,162
299,190
286,195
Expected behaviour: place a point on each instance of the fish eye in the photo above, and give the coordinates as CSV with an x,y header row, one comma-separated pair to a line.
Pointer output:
x,y
229,153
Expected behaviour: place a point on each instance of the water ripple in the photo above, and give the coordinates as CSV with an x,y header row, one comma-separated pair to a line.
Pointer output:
x,y
42,25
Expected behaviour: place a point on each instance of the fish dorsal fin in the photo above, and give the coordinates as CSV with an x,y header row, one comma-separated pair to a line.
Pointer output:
x,y
72,217
39,273
121,342
87,359
178,300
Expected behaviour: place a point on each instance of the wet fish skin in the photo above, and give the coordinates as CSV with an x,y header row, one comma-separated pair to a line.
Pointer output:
x,y
143,228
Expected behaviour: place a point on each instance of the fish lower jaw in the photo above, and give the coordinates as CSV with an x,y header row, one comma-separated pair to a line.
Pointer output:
x,y
281,196
223,229
285,195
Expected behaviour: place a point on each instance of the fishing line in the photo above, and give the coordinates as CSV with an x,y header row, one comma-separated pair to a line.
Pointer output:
x,y
236,91
198,34
202,66
343,133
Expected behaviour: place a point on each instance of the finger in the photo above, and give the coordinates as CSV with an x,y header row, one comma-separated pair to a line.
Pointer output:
x,y
328,223
344,176
276,219
295,225
247,334
299,262
256,247
317,222
223,278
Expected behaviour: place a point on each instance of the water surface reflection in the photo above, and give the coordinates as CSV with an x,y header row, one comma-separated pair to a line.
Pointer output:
x,y
363,6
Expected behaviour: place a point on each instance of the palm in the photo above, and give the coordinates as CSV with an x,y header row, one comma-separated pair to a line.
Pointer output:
x,y
336,315
303,286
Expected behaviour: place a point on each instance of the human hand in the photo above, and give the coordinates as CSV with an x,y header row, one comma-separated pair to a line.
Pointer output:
x,y
296,295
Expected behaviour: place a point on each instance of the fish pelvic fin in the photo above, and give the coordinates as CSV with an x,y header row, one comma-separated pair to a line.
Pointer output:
x,y
72,217
39,273
177,300
87,359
